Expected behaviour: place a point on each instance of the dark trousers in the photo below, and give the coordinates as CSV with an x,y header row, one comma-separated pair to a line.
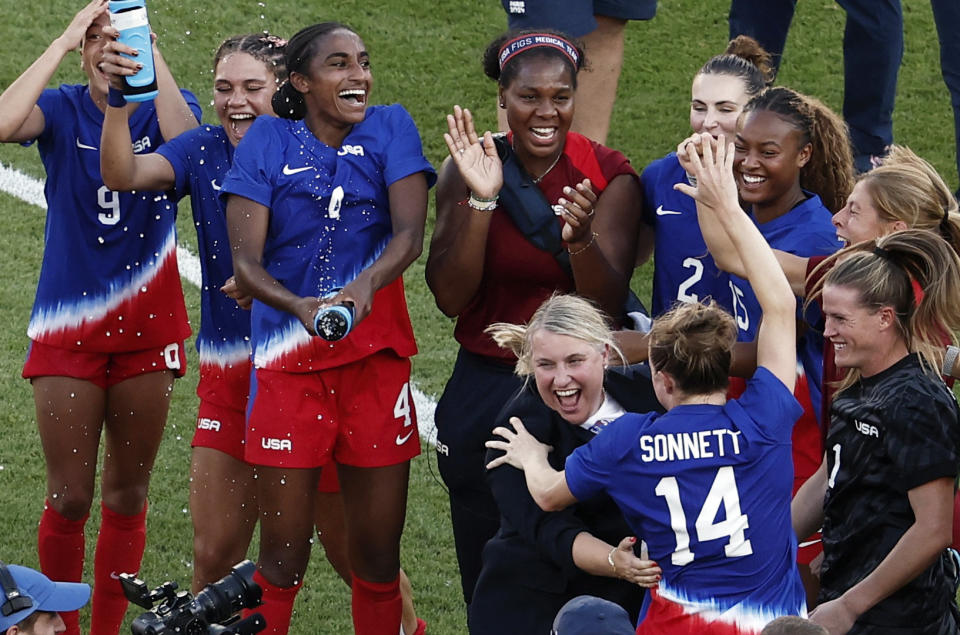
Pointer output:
x,y
872,51
946,14
466,412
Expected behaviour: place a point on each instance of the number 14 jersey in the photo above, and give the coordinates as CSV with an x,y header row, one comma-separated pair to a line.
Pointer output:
x,y
708,488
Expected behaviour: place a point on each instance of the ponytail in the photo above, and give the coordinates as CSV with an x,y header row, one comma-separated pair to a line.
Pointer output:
x,y
917,274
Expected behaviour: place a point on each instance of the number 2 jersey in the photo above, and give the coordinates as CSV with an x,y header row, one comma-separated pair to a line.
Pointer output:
x,y
329,220
889,433
109,280
708,488
684,271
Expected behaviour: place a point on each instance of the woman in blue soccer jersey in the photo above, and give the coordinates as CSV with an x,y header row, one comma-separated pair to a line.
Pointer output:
x,y
487,265
684,271
247,70
108,321
726,571
326,205
884,495
565,349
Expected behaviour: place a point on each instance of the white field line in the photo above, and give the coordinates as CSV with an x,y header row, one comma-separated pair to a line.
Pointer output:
x,y
30,190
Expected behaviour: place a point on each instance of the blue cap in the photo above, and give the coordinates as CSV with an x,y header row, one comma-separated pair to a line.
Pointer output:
x,y
589,615
44,594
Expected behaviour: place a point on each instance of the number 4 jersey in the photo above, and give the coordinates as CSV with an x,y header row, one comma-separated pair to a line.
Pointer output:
x,y
708,488
109,280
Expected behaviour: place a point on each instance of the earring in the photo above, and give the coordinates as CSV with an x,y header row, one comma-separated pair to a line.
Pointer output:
x,y
503,105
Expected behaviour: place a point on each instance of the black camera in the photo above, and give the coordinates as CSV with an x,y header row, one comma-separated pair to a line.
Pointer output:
x,y
214,611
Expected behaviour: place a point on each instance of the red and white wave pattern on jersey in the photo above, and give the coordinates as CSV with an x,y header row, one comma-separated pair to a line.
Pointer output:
x,y
671,612
139,312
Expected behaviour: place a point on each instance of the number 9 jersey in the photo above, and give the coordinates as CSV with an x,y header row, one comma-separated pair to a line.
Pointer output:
x,y
708,488
109,280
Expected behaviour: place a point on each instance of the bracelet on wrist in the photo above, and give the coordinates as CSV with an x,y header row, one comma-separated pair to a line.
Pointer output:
x,y
949,359
115,98
481,199
593,239
610,560
482,204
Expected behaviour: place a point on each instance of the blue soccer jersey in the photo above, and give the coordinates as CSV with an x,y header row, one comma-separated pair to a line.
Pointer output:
x,y
684,270
329,220
109,280
708,488
806,230
201,158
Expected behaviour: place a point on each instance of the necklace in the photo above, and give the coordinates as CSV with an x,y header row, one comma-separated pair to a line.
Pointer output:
x,y
547,171
537,179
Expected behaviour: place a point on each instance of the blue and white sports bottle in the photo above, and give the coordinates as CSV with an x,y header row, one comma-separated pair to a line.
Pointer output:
x,y
130,18
334,322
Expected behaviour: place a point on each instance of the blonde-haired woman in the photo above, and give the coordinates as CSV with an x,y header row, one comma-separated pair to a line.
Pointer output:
x,y
565,348
726,571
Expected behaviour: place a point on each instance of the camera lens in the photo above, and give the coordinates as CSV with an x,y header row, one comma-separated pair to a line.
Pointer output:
x,y
235,591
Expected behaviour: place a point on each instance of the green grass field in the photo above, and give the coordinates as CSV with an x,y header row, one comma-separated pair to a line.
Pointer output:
x,y
425,56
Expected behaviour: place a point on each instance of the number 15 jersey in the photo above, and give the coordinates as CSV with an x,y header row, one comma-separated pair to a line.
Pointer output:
x,y
708,488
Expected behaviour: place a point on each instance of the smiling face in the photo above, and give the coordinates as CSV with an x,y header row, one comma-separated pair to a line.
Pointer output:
x,y
569,374
336,86
716,103
860,220
242,89
857,333
540,104
90,52
768,159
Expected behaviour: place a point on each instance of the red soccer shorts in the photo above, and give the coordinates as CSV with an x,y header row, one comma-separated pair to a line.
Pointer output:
x,y
359,414
220,428
103,369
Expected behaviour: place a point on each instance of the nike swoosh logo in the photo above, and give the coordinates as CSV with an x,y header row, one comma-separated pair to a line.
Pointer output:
x,y
213,184
84,146
291,171
403,439
666,212
808,543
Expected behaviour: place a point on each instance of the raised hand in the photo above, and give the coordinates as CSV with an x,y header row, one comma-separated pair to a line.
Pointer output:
x,y
475,157
72,36
112,63
716,186
578,210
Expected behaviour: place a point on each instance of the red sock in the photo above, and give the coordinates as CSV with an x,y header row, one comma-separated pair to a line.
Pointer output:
x,y
376,606
277,605
119,550
61,547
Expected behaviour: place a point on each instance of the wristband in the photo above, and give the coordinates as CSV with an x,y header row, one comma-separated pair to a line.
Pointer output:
x,y
610,560
482,204
115,98
949,359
